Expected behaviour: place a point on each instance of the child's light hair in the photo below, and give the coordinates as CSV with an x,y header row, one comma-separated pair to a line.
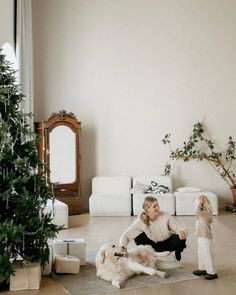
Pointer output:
x,y
147,203
206,205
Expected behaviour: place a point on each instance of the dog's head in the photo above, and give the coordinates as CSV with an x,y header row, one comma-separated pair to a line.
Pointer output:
x,y
109,252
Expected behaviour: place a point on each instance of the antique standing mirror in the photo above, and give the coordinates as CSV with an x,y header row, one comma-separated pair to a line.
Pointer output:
x,y
59,149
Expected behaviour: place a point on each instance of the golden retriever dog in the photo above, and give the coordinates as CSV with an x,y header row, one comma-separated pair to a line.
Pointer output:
x,y
116,265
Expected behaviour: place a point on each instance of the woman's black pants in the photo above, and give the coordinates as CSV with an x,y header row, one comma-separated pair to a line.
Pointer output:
x,y
173,243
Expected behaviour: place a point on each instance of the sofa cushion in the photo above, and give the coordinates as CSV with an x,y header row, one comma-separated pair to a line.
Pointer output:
x,y
185,202
161,180
110,204
59,213
157,188
110,196
188,189
111,184
140,188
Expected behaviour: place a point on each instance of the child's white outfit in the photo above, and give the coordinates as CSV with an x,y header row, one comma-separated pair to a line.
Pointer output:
x,y
205,241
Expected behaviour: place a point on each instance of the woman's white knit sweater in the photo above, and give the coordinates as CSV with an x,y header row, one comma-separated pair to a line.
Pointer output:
x,y
159,230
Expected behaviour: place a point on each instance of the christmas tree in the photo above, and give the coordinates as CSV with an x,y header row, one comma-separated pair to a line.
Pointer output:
x,y
24,228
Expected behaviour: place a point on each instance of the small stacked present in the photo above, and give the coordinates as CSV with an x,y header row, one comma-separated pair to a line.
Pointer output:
x,y
67,264
68,255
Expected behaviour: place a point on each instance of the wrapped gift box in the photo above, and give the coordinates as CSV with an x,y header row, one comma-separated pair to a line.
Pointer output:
x,y
71,247
67,264
26,276
47,268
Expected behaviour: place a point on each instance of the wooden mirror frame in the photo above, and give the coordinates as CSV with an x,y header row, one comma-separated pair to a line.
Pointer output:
x,y
69,193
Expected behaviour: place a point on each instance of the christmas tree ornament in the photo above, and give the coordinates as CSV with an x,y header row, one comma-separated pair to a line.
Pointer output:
x,y
12,149
3,175
7,203
14,193
23,243
35,186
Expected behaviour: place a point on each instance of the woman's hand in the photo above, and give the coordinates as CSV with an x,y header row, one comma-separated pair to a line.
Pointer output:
x,y
182,235
124,251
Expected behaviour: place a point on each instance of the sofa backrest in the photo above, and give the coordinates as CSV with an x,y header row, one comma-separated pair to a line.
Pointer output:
x,y
161,180
111,184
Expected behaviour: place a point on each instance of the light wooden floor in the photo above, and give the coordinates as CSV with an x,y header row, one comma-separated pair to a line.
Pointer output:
x,y
98,230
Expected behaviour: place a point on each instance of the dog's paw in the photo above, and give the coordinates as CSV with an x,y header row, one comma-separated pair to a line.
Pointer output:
x,y
162,274
152,272
118,284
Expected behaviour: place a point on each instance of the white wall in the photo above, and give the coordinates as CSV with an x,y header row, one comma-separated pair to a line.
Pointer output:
x,y
6,22
133,70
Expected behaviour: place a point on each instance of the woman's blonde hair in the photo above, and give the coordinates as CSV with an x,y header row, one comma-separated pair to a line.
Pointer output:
x,y
147,203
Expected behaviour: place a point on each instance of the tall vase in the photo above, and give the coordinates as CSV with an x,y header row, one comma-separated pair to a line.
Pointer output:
x,y
233,190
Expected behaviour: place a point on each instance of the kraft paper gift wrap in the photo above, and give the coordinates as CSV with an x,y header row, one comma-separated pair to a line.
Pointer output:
x,y
73,247
67,264
27,276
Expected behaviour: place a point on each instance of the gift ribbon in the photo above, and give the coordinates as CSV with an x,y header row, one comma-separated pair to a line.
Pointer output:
x,y
24,267
68,245
68,242
66,263
26,278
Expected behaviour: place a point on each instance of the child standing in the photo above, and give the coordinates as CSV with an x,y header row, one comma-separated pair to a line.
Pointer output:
x,y
206,265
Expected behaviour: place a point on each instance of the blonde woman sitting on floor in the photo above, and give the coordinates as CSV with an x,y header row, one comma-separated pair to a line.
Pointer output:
x,y
156,228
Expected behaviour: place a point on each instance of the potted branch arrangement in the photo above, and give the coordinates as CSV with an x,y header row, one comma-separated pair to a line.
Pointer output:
x,y
199,147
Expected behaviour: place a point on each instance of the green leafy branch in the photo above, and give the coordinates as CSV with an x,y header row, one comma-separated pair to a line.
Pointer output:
x,y
199,147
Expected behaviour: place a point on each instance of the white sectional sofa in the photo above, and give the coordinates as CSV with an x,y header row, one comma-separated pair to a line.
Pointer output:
x,y
110,196
166,200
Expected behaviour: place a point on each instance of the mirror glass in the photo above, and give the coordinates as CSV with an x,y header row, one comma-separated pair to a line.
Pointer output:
x,y
62,147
